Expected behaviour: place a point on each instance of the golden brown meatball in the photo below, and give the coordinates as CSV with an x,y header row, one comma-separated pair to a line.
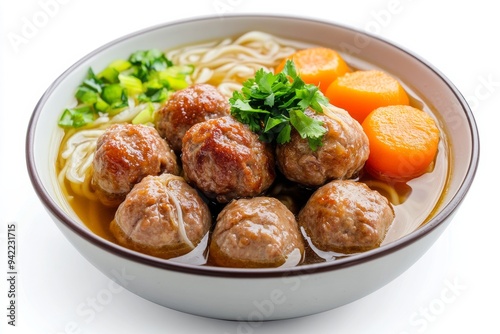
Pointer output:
x,y
162,216
125,154
342,155
225,160
256,233
187,107
345,216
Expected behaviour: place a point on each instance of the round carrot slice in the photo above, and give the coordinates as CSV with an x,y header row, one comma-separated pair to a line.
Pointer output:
x,y
361,92
403,142
318,66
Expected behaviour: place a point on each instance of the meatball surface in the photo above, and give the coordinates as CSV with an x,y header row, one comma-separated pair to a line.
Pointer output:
x,y
187,107
345,216
342,155
162,216
226,160
125,154
258,232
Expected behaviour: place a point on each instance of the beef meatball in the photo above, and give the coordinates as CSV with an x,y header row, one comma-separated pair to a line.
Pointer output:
x,y
345,216
126,153
259,232
226,160
162,216
342,155
187,107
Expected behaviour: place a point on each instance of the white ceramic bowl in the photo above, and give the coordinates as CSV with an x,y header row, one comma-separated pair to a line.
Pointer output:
x,y
256,294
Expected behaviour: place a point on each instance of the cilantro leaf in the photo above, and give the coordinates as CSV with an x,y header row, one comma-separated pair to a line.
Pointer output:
x,y
273,104
306,126
284,134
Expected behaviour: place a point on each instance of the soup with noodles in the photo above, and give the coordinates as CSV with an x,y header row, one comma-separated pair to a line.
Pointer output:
x,y
226,64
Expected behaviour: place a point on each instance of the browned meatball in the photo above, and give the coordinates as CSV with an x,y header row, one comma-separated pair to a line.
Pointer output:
x,y
346,216
187,107
225,160
256,233
126,153
162,216
343,153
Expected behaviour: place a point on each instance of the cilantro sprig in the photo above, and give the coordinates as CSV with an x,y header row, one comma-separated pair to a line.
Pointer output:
x,y
273,104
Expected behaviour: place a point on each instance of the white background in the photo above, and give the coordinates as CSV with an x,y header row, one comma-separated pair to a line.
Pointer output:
x,y
452,288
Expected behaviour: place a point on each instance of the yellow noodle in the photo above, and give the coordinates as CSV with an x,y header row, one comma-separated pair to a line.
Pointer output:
x,y
388,189
180,214
230,62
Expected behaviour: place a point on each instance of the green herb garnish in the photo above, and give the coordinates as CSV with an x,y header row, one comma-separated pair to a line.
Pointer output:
x,y
273,104
147,76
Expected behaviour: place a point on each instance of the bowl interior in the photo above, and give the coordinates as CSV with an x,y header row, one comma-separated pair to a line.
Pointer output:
x,y
359,49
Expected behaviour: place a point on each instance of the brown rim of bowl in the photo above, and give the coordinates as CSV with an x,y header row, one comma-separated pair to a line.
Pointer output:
x,y
445,213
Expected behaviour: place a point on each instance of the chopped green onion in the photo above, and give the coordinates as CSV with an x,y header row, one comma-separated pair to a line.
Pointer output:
x,y
116,96
152,95
151,59
86,95
152,86
120,65
160,95
101,105
146,76
109,75
144,116
112,93
148,61
77,117
132,84
177,83
92,82
175,76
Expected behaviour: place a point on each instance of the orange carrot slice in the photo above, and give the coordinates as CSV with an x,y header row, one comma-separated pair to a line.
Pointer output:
x,y
318,66
360,92
403,142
